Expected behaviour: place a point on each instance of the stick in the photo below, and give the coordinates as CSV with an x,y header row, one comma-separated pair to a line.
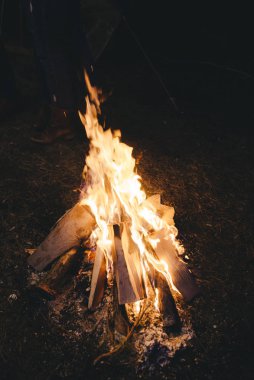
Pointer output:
x,y
125,340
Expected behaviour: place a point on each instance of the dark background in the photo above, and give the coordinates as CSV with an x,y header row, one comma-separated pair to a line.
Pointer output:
x,y
201,162
222,33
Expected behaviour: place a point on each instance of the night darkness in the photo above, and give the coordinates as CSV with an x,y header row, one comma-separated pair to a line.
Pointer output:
x,y
199,157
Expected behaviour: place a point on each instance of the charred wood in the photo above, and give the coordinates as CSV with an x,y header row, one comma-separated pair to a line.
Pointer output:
x,y
55,280
166,305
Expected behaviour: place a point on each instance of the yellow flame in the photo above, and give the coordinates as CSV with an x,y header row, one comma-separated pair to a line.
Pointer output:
x,y
114,191
137,307
156,300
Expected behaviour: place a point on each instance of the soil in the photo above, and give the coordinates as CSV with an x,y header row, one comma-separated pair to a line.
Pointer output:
x,y
201,162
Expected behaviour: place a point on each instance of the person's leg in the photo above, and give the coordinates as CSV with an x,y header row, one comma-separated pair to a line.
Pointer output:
x,y
7,79
34,12
57,35
68,52
8,90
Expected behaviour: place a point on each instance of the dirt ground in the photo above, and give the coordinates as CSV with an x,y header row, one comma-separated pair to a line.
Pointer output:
x,y
200,162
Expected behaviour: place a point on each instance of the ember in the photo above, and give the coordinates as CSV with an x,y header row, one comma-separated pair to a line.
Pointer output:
x,y
133,237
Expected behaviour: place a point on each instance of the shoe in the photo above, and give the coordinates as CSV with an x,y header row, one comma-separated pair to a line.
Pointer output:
x,y
43,118
50,135
53,124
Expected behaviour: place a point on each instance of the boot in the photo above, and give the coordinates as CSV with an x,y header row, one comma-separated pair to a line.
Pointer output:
x,y
57,124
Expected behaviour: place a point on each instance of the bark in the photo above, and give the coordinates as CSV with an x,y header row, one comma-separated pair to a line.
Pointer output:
x,y
53,283
73,228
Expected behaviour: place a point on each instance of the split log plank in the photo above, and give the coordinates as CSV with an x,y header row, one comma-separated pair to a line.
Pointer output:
x,y
182,278
98,279
128,290
133,261
166,213
126,293
121,322
76,225
166,304
52,284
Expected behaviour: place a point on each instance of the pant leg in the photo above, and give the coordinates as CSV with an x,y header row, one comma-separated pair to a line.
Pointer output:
x,y
61,48
8,88
34,12
68,51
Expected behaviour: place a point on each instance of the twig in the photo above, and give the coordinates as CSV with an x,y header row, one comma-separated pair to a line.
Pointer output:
x,y
123,342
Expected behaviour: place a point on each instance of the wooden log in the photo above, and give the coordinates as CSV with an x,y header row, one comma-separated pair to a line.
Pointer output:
x,y
133,261
52,284
121,322
165,301
98,279
182,278
166,304
75,226
128,290
166,213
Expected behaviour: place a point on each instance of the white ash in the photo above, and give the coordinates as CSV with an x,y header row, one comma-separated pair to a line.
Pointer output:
x,y
152,346
12,297
34,278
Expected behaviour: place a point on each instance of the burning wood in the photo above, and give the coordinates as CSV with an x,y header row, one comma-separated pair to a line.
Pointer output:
x,y
166,304
135,236
128,270
180,276
98,279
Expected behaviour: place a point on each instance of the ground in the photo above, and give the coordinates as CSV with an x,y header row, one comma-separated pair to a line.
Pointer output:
x,y
201,162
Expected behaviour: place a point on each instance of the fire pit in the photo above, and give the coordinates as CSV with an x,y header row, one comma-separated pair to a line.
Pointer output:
x,y
131,239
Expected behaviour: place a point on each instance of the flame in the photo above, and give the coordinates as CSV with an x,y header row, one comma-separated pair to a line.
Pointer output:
x,y
156,299
137,307
114,193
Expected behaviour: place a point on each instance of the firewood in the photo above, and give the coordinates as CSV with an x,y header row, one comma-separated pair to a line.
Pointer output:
x,y
166,213
166,304
98,279
53,283
121,322
182,278
133,261
75,226
128,290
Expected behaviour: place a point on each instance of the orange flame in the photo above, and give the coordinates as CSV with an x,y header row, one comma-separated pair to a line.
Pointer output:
x,y
114,192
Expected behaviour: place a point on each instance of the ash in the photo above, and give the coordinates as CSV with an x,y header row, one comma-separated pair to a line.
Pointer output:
x,y
150,348
155,347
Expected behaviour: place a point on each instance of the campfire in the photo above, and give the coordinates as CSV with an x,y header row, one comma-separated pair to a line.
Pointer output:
x,y
131,238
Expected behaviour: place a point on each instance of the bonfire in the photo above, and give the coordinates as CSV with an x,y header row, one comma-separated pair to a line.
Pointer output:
x,y
135,251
